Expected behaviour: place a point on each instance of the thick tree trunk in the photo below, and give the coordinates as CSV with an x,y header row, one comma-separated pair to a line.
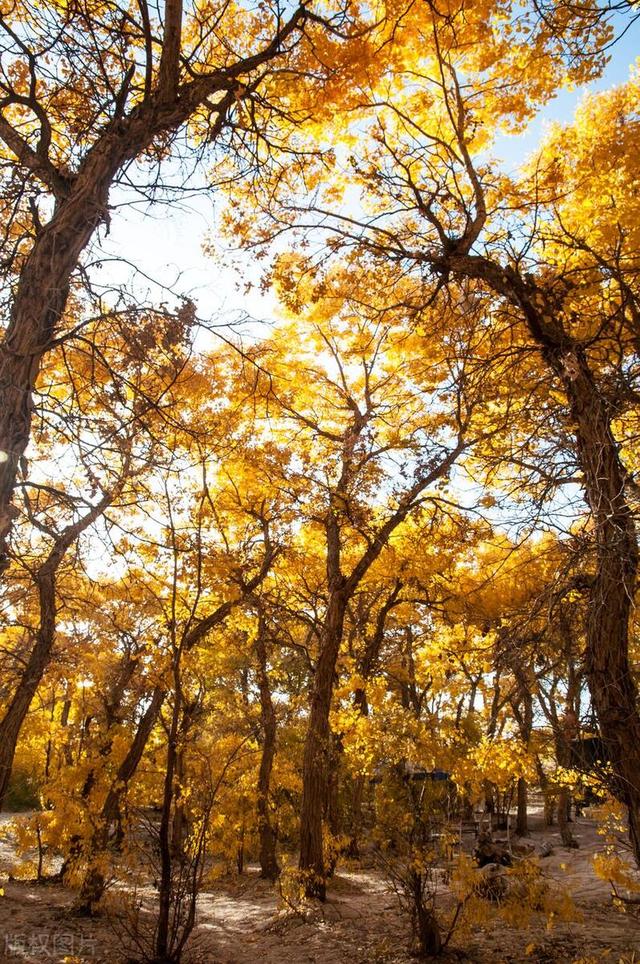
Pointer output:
x,y
269,868
81,205
608,671
40,300
317,750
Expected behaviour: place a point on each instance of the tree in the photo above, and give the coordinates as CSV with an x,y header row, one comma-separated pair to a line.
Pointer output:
x,y
87,93
98,436
435,207
372,416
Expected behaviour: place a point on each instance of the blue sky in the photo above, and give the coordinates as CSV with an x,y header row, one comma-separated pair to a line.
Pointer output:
x,y
514,149
166,242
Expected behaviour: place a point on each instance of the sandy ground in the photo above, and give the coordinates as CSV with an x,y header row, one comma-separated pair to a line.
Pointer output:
x,y
241,921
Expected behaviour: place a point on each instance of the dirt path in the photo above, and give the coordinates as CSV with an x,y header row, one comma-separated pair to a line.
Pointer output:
x,y
242,922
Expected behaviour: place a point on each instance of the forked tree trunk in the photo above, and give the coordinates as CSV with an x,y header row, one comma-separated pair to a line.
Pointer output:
x,y
317,748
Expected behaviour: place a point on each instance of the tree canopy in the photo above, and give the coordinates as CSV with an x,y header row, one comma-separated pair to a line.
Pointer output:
x,y
258,587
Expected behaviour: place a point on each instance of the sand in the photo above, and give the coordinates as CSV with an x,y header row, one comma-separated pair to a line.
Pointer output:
x,y
242,920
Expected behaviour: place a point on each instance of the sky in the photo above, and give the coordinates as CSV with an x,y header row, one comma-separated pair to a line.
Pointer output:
x,y
515,148
167,243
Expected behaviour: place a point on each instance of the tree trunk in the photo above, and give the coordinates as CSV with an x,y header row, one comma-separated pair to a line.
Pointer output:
x,y
163,935
45,580
39,657
549,806
608,671
94,883
81,205
40,300
269,868
317,750
317,744
179,823
428,938
522,827
548,794
566,733
240,847
29,681
366,667
564,803
333,811
353,849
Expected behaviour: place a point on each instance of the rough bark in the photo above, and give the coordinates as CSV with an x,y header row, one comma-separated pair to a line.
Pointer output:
x,y
317,751
81,204
269,868
604,477
608,670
